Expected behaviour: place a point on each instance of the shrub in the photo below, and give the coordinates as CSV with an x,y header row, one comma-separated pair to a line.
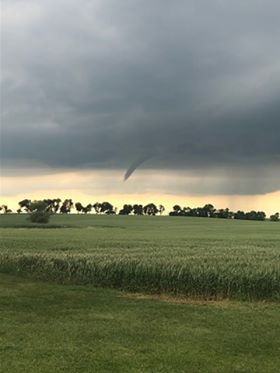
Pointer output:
x,y
39,212
274,217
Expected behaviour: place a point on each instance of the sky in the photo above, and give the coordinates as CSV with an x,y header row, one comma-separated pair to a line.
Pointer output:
x,y
187,93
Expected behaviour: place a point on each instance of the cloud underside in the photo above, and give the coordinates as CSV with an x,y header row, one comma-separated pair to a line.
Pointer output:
x,y
192,86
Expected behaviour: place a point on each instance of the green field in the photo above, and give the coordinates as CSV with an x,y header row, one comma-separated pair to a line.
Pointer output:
x,y
196,257
54,328
170,310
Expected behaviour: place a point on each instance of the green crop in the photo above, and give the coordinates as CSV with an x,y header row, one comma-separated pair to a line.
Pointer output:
x,y
204,258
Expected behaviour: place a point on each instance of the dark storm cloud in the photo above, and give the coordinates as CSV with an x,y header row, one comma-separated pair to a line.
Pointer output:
x,y
192,84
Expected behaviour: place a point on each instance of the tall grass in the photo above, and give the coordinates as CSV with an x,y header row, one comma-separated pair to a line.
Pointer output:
x,y
205,258
192,278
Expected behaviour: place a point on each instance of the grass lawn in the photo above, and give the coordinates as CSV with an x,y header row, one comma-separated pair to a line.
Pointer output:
x,y
65,328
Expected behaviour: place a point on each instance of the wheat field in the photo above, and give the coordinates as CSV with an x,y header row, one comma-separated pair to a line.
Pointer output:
x,y
194,257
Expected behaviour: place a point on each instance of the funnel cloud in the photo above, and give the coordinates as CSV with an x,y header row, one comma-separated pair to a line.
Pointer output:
x,y
134,165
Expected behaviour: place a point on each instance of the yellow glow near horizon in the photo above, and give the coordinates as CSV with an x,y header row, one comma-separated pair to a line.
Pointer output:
x,y
90,187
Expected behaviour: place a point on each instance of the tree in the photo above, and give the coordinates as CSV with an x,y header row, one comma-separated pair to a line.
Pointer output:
x,y
97,207
223,213
78,206
137,209
239,215
66,206
254,215
39,212
150,209
56,204
274,217
261,215
5,209
107,208
200,212
161,209
53,204
177,211
25,204
209,210
126,210
87,208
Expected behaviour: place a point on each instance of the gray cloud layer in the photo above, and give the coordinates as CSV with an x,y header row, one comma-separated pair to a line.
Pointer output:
x,y
193,84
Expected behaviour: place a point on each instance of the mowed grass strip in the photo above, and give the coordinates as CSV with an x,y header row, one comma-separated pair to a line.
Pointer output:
x,y
201,258
52,328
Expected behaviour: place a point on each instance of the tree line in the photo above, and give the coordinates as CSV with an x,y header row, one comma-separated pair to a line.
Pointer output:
x,y
209,211
43,209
